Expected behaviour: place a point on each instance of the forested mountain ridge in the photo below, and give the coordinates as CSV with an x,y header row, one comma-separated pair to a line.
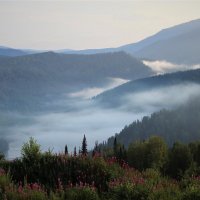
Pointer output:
x,y
42,75
181,124
115,96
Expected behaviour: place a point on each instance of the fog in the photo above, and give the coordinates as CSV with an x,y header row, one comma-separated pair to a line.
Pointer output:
x,y
56,129
93,91
162,66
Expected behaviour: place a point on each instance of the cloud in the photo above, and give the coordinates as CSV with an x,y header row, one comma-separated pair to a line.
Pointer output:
x,y
93,91
162,66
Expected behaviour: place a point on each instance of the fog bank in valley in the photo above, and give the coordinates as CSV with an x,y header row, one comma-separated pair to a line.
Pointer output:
x,y
55,129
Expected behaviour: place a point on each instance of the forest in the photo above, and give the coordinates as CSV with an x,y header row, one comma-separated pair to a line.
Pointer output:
x,y
178,124
148,169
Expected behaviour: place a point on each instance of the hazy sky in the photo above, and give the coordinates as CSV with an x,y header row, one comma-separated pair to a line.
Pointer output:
x,y
88,24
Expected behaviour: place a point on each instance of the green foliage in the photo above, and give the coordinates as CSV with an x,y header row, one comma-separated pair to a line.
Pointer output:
x,y
136,155
47,176
148,154
85,193
129,191
166,193
27,195
180,159
191,188
30,150
4,182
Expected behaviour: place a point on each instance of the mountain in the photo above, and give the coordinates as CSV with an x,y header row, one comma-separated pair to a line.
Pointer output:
x,y
114,97
181,49
164,34
179,44
6,51
180,124
35,79
88,51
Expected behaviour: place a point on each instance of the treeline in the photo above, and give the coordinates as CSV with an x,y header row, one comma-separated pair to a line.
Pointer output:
x,y
176,161
181,124
146,170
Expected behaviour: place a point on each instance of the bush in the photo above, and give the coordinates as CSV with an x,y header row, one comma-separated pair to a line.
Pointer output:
x,y
79,193
191,188
165,190
192,193
129,191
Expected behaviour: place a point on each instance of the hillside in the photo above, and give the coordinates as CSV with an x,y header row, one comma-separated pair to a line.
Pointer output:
x,y
179,44
181,49
181,124
25,80
162,35
115,97
6,51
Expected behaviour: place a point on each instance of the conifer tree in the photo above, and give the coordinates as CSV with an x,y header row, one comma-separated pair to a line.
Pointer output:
x,y
75,154
84,146
66,150
115,147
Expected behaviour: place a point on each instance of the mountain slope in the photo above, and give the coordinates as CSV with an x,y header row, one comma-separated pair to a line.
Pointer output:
x,y
114,97
179,44
181,124
6,51
182,49
162,35
25,80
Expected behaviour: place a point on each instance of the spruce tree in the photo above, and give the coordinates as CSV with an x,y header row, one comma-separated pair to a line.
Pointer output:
x,y
115,147
75,154
66,150
84,146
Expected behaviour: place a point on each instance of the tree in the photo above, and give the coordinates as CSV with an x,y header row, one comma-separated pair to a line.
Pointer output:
x,y
151,153
156,152
136,155
180,159
31,150
66,150
75,154
115,146
84,146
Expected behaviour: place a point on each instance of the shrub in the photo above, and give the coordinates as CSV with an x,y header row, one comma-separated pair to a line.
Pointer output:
x,y
165,190
191,188
192,193
129,191
81,193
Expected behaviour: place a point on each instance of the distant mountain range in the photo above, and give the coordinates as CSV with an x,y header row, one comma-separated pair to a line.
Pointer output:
x,y
6,51
179,44
25,80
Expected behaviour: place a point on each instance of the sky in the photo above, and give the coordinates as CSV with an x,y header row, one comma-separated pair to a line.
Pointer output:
x,y
81,24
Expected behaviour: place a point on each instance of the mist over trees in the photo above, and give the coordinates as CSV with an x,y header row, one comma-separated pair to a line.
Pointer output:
x,y
180,124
